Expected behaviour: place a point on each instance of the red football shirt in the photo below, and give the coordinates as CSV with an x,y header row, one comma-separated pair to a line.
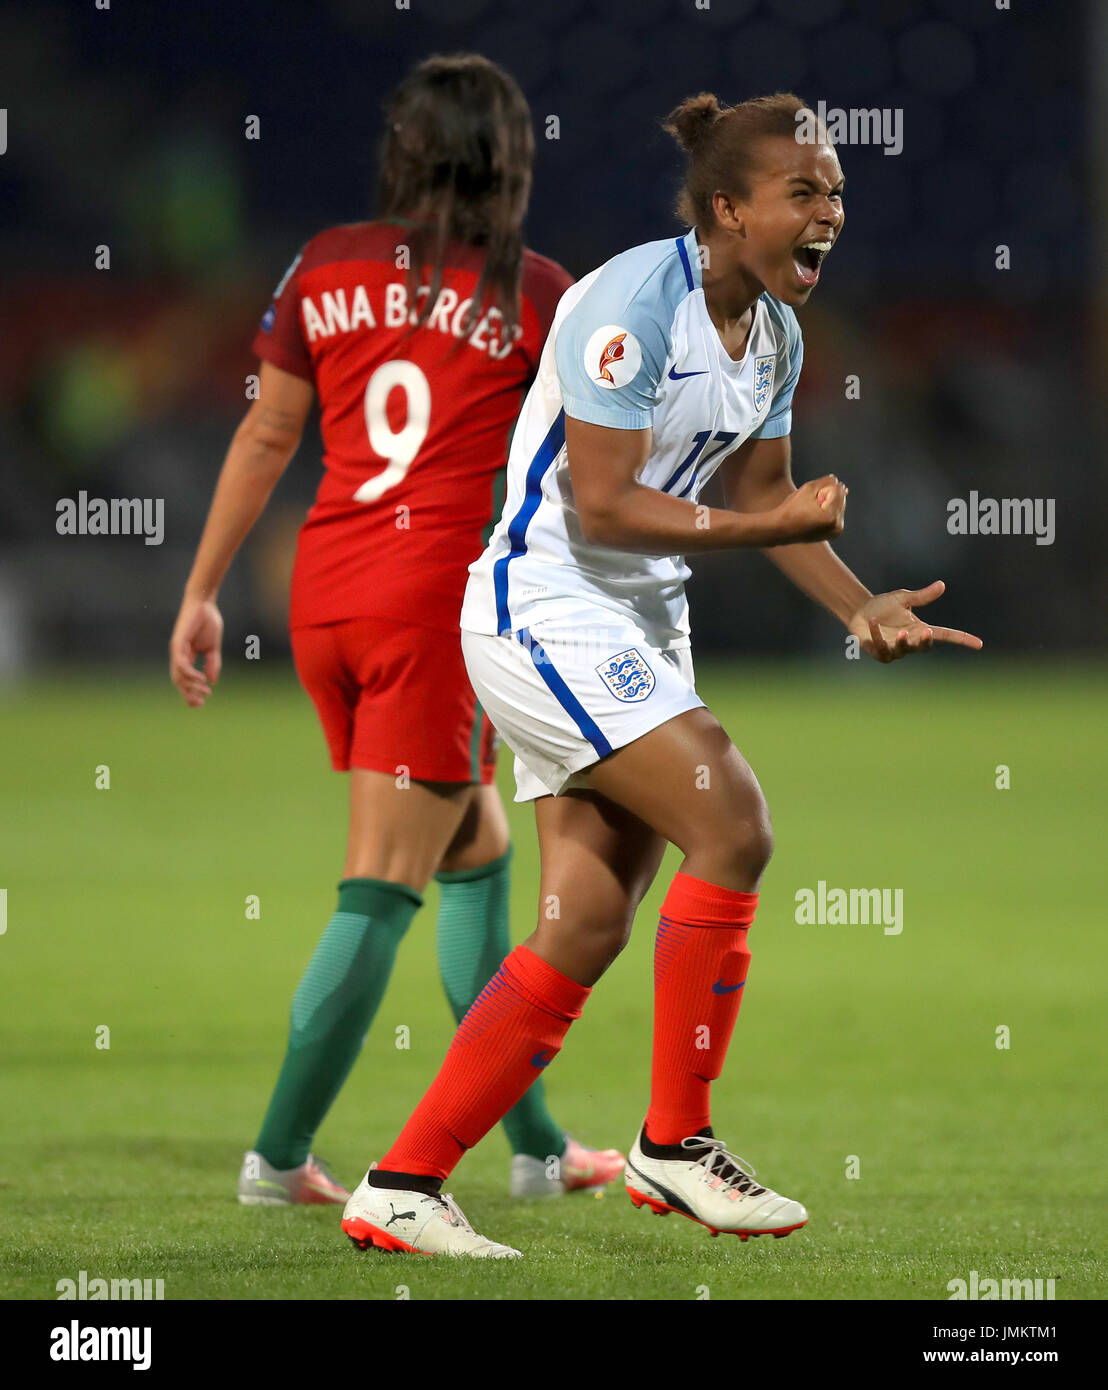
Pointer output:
x,y
415,421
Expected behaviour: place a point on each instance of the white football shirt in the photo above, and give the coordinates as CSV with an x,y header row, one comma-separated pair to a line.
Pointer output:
x,y
631,346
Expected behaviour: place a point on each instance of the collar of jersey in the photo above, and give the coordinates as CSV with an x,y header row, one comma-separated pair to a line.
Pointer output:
x,y
729,365
692,250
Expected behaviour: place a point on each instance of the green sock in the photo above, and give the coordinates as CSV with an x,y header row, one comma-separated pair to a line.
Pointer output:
x,y
332,1010
473,941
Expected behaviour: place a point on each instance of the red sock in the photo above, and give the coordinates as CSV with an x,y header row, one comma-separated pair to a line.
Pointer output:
x,y
514,1029
700,965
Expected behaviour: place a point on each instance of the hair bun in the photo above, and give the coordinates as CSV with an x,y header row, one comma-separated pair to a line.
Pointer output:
x,y
690,122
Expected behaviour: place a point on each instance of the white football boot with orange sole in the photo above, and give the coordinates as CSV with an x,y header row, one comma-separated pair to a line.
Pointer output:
x,y
711,1186
414,1223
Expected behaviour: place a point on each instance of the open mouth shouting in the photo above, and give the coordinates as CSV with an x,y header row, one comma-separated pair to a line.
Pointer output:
x,y
807,259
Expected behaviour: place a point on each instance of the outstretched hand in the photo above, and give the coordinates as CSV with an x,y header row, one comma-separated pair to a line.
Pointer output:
x,y
887,628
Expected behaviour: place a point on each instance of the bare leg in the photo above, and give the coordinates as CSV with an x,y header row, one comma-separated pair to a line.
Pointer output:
x,y
684,782
689,782
482,834
598,860
400,834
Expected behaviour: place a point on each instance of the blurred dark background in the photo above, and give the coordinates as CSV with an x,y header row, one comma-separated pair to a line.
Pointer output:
x,y
126,128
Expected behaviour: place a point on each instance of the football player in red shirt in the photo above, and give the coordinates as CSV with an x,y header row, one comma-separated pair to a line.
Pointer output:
x,y
420,332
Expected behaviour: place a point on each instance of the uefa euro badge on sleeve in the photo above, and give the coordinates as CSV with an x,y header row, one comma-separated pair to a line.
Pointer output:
x,y
763,379
612,357
627,675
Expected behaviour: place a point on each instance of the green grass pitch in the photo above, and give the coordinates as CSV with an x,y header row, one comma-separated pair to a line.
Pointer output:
x,y
126,909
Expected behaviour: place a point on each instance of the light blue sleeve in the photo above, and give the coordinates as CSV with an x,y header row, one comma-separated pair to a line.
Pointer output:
x,y
790,357
631,295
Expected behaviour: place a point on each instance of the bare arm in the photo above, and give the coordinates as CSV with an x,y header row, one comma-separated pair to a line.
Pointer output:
x,y
259,453
758,477
616,510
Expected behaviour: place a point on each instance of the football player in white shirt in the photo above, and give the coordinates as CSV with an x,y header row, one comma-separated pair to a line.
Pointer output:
x,y
671,361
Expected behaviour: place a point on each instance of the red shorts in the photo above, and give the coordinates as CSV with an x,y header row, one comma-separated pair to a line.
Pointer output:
x,y
392,697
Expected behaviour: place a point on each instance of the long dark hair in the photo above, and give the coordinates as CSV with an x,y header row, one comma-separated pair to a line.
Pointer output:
x,y
456,165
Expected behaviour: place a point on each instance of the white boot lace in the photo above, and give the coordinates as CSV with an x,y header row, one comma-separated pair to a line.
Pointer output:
x,y
734,1172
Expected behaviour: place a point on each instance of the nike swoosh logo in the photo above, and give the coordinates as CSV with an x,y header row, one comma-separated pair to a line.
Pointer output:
x,y
675,375
720,988
541,1060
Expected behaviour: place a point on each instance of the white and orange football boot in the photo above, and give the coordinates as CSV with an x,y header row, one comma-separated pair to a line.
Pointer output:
x,y
711,1186
579,1169
313,1183
414,1223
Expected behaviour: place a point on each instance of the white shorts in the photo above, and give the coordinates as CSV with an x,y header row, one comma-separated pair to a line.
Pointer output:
x,y
564,694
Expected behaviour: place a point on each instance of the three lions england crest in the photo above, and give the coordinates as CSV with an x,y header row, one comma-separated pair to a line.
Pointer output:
x,y
763,379
627,675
